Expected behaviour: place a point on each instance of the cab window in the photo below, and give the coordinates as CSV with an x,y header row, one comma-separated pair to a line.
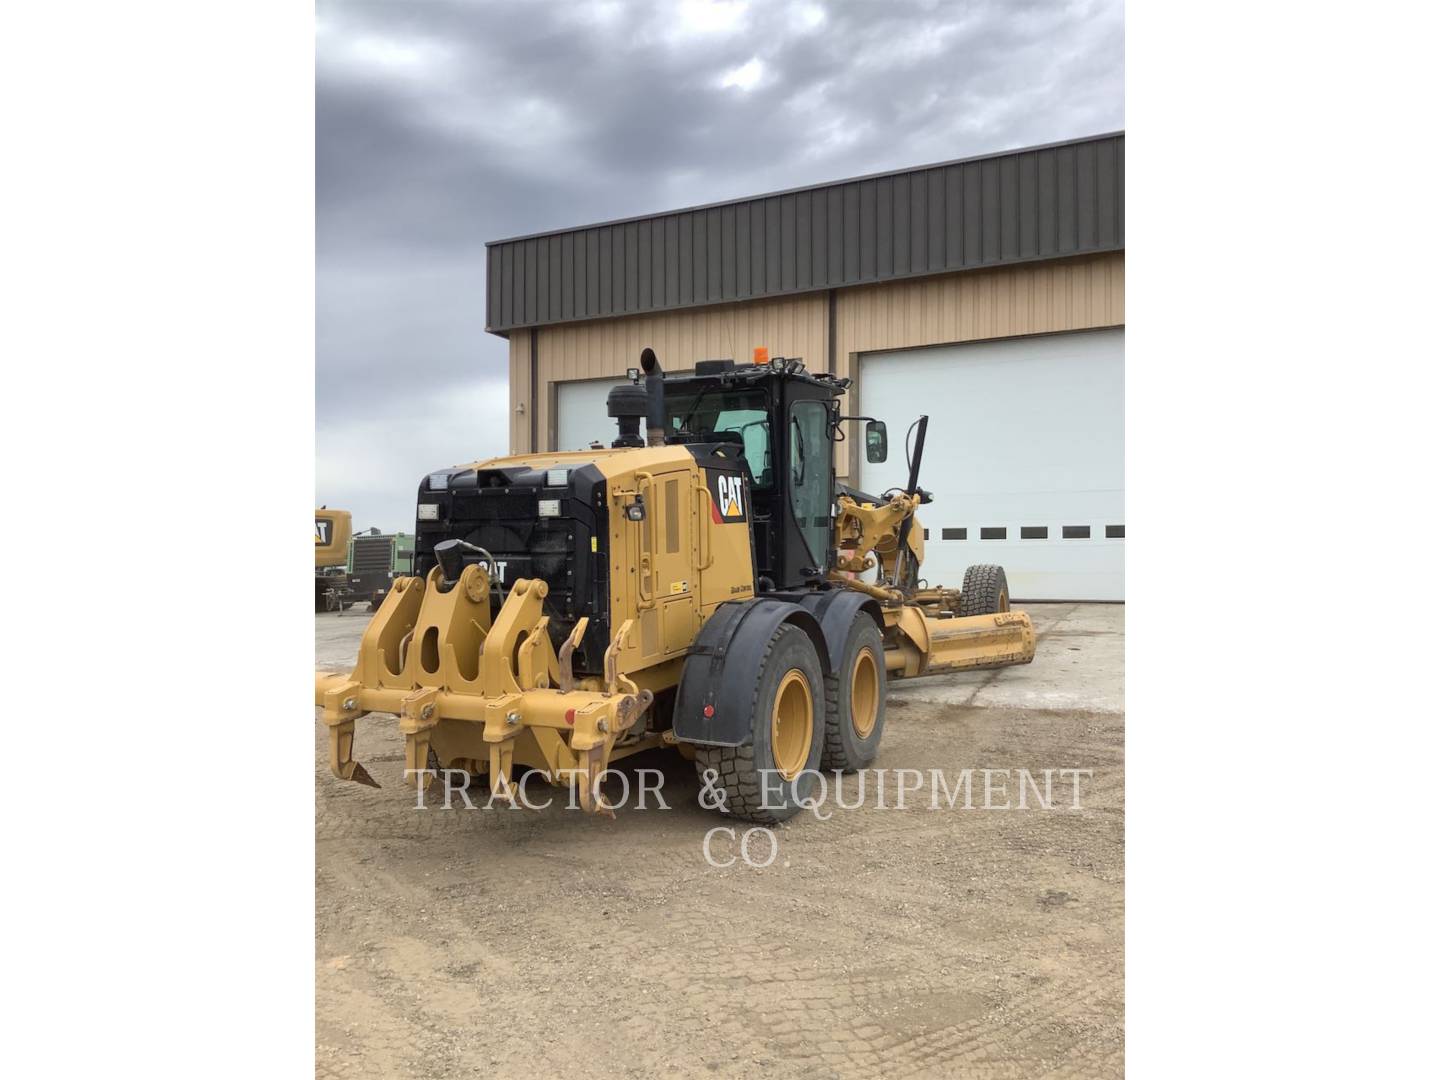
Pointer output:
x,y
741,414
753,427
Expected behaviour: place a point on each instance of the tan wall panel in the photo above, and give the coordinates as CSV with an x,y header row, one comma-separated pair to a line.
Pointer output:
x,y
520,391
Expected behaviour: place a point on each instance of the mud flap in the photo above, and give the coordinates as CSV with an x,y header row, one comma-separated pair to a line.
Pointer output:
x,y
719,673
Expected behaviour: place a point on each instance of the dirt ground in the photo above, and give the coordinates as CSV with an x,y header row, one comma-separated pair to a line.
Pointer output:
x,y
910,942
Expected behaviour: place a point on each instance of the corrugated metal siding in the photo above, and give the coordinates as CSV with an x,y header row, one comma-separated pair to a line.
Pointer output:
x,y
1039,203
1040,298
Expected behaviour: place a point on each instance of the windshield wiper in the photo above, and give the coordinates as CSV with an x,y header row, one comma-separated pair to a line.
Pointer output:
x,y
684,423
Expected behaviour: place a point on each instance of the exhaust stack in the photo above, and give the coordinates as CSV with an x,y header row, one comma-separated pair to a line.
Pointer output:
x,y
654,398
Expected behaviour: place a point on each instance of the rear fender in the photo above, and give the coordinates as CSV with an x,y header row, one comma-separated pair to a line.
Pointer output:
x,y
836,612
723,664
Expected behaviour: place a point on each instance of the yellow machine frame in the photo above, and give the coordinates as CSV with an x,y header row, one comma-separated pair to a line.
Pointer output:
x,y
487,691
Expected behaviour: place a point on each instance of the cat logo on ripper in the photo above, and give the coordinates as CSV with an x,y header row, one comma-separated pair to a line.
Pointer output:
x,y
727,497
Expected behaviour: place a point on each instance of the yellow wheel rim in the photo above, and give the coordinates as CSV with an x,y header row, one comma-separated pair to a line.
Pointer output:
x,y
864,694
792,724
1004,599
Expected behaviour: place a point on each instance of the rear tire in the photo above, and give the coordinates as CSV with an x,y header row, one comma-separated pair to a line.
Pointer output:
x,y
985,590
855,699
769,779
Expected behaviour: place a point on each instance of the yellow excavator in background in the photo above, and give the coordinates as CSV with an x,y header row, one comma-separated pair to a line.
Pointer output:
x,y
332,552
701,587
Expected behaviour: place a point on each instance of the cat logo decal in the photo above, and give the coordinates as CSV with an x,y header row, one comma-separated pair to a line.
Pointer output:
x,y
727,497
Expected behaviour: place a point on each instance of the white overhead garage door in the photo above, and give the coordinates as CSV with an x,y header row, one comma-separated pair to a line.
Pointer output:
x,y
580,414
1025,455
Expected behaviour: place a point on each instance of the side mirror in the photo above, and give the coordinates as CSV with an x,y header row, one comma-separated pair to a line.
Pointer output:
x,y
877,443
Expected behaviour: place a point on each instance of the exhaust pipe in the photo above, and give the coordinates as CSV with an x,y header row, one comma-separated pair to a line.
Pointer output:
x,y
654,398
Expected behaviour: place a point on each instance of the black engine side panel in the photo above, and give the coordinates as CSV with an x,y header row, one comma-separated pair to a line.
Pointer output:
x,y
500,511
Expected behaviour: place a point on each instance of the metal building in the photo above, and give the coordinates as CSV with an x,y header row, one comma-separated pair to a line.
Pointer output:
x,y
988,292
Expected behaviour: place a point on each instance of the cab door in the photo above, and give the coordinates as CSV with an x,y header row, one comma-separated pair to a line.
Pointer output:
x,y
810,460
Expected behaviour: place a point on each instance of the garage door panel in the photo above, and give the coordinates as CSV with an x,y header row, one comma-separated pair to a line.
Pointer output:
x,y
580,417
1023,432
1025,560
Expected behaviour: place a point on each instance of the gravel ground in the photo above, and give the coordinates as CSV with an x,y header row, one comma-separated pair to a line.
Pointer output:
x,y
912,942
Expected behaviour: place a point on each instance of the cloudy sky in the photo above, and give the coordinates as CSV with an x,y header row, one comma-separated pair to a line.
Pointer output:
x,y
441,124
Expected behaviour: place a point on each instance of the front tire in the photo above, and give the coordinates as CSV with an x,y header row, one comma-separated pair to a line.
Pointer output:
x,y
984,591
855,699
771,778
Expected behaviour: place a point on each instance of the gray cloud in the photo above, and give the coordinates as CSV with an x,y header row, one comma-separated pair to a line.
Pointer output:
x,y
441,124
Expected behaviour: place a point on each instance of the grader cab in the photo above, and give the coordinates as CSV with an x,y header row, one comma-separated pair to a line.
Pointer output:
x,y
704,585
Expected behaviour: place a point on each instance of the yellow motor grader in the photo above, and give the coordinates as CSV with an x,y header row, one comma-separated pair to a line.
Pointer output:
x,y
701,586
